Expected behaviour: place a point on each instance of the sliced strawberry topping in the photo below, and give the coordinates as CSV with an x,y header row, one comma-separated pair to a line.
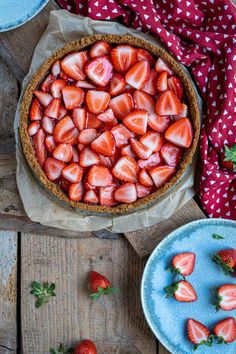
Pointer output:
x,y
63,152
53,109
123,57
158,123
141,150
73,65
152,140
97,101
99,176
88,158
144,101
76,192
53,168
127,151
151,85
48,125
122,105
153,160
79,118
104,144
161,66
143,54
40,151
45,85
50,143
121,135
105,161
56,68
80,147
44,98
183,112
145,179
117,85
65,131
126,169
92,122
143,191
161,174
171,154
126,193
99,49
99,70
162,82
175,85
35,112
75,155
91,197
168,104
73,96
72,173
65,77
63,112
86,136
33,128
106,116
84,84
180,133
106,196
136,121
138,75
56,88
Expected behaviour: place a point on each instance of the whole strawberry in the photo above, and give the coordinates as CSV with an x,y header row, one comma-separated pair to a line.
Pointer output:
x,y
100,285
226,259
86,347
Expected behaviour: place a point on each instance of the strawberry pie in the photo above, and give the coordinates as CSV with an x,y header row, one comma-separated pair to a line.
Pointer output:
x,y
109,123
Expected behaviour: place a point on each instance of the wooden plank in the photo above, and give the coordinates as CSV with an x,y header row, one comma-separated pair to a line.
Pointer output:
x,y
8,286
115,323
163,350
145,240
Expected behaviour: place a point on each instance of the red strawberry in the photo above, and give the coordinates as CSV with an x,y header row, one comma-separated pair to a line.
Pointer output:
x,y
56,88
65,77
99,49
161,66
106,196
86,136
145,179
153,160
183,112
162,82
168,104
198,334
226,297
107,116
117,85
99,285
99,176
225,330
63,152
144,101
73,96
50,143
105,161
99,70
126,169
56,68
141,150
63,184
127,151
143,191
79,118
45,85
44,98
85,347
226,259
73,65
226,164
80,147
91,197
171,154
182,291
53,109
92,122
123,57
53,168
138,75
126,193
175,85
183,263
65,131
63,112
33,128
143,54
97,101
121,105
152,140
121,135
104,144
40,151
161,174
48,125
75,155
76,192
84,84
151,85
35,112
136,121
158,123
180,133
88,158
72,173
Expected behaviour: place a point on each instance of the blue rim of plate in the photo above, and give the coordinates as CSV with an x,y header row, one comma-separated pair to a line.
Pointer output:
x,y
25,18
173,235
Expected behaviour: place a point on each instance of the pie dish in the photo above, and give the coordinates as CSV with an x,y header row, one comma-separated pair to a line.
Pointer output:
x,y
48,124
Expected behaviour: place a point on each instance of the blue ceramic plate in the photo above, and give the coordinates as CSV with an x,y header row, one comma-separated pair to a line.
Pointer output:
x,y
167,317
14,13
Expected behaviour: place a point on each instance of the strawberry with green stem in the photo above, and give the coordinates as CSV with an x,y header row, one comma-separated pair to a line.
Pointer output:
x,y
100,285
225,330
226,297
183,263
198,334
226,259
228,157
182,291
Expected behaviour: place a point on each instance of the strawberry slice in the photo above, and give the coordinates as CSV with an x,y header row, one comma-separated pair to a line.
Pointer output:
x,y
175,85
126,193
76,191
151,85
136,121
141,150
145,179
107,116
53,168
86,136
225,330
33,128
153,160
183,263
143,191
72,173
105,161
126,169
40,151
91,197
100,176
158,123
53,109
84,84
56,88
198,334
92,122
180,133
80,147
226,297
144,101
171,154
45,85
117,85
65,131
127,151
99,70
75,155
50,143
168,104
161,174
152,140
161,66
121,105
162,82
63,184
44,98
99,49
123,57
48,125
73,96
63,112
121,135
182,291
138,75
65,77
73,65
35,112
63,152
56,68
79,118
143,54
97,101
106,196
104,144
183,112
88,158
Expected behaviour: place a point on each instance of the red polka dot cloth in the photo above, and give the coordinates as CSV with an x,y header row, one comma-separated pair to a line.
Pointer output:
x,y
202,36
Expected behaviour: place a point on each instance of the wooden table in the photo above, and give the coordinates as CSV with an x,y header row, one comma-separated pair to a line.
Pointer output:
x,y
30,251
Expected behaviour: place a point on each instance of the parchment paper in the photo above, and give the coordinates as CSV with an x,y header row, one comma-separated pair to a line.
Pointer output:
x,y
64,27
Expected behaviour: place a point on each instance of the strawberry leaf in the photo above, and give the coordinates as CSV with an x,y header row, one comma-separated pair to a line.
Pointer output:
x,y
230,154
224,265
217,237
176,271
101,291
171,289
61,349
42,292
